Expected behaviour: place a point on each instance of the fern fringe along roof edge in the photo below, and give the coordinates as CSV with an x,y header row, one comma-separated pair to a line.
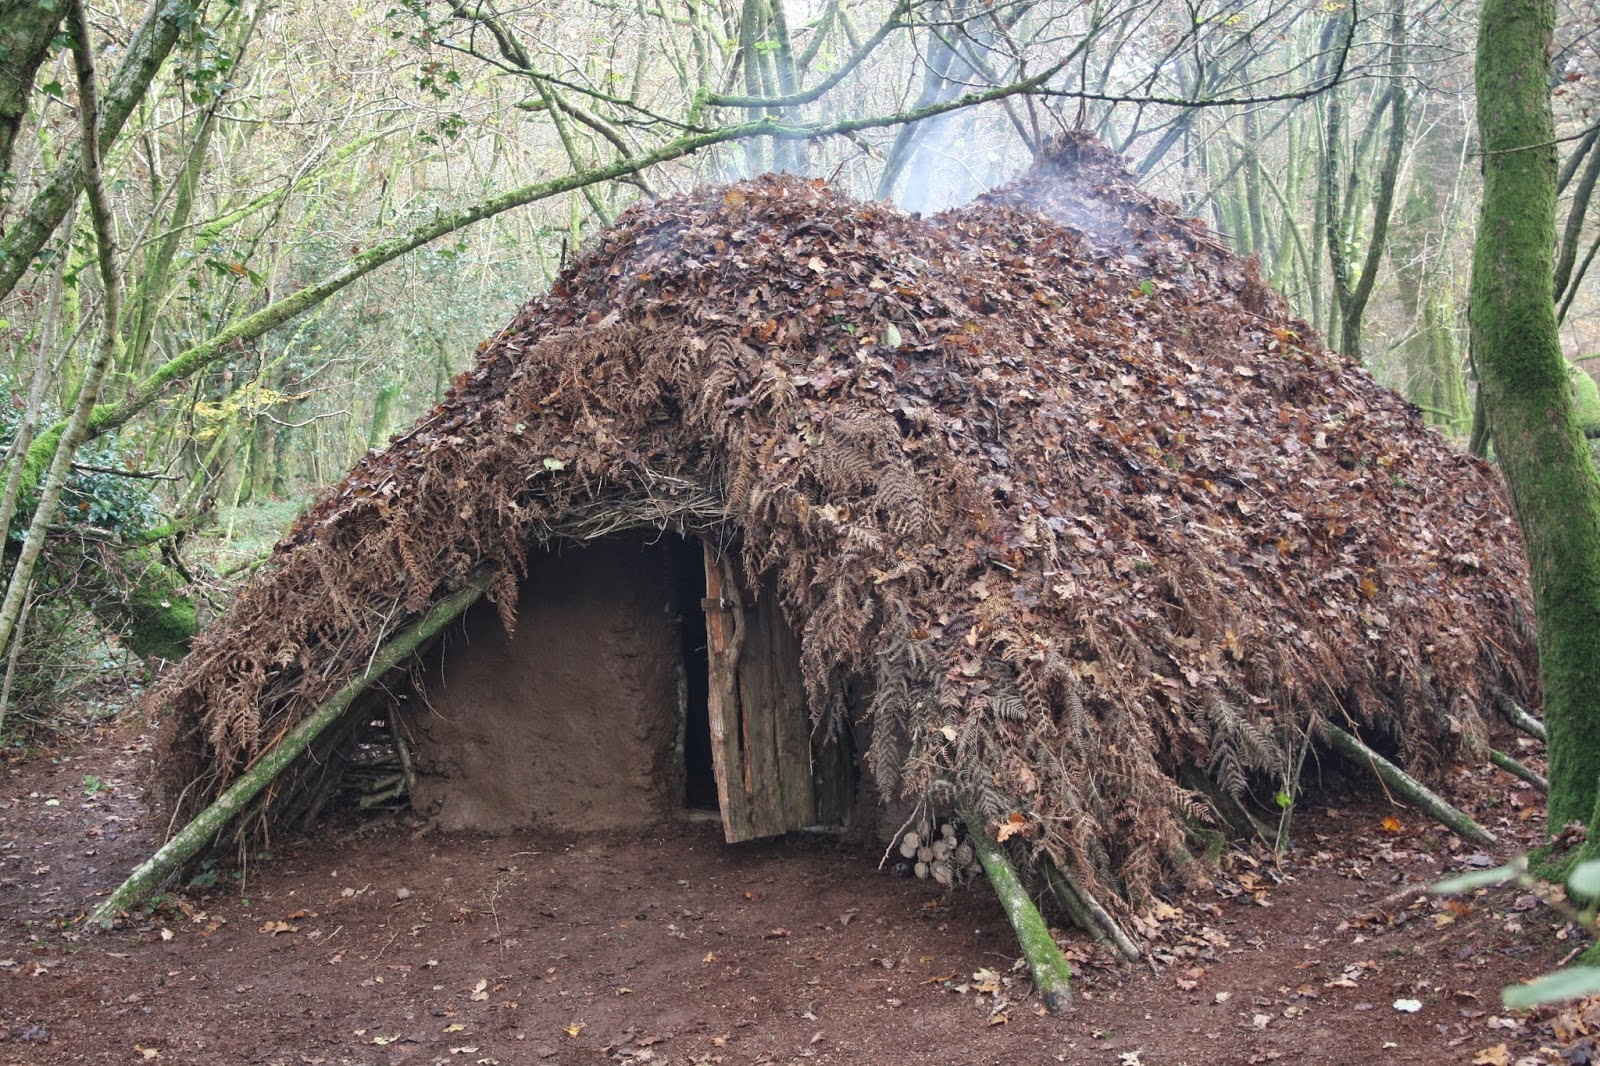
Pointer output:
x,y
1105,531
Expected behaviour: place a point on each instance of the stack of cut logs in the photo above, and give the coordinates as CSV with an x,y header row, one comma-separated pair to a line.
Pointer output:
x,y
379,774
376,781
942,855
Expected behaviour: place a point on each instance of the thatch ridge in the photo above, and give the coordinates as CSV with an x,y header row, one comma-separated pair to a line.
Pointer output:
x,y
1094,517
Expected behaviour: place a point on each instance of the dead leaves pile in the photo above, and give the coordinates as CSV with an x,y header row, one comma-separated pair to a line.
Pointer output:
x,y
1116,509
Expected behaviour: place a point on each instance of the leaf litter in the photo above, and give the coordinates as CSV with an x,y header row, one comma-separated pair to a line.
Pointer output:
x,y
1095,505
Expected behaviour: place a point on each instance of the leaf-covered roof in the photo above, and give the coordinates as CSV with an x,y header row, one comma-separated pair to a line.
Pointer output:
x,y
1101,528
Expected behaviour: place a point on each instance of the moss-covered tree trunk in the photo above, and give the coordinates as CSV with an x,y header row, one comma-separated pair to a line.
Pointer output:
x,y
26,29
142,57
1525,390
72,434
135,594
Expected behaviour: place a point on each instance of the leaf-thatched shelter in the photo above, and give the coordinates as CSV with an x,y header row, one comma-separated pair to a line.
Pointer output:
x,y
1044,506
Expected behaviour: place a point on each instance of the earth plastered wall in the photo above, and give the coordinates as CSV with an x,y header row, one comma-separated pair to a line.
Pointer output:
x,y
572,722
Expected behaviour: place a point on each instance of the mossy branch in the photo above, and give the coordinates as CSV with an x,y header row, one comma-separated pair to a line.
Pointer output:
x,y
211,821
1520,718
1052,976
1517,769
110,417
1414,791
143,56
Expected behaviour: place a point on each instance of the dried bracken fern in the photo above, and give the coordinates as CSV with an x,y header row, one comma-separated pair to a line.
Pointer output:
x,y
1104,515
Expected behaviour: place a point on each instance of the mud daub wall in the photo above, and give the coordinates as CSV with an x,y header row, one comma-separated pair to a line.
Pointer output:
x,y
572,722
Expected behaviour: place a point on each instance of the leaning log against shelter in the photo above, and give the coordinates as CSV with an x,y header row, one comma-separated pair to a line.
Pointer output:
x,y
1059,503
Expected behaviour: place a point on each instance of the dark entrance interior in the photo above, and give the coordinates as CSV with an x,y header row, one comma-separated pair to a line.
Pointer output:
x,y
645,676
750,753
687,560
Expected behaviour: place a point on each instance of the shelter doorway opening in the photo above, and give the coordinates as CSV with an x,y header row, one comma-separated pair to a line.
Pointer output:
x,y
643,678
687,560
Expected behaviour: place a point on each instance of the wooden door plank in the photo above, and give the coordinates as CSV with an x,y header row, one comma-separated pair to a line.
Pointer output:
x,y
792,720
761,745
763,774
724,643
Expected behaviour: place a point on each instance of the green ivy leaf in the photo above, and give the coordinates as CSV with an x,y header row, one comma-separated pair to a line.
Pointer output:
x,y
1575,982
1455,886
1585,880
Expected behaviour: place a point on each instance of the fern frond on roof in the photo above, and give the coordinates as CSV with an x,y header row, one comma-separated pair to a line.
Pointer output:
x,y
1053,479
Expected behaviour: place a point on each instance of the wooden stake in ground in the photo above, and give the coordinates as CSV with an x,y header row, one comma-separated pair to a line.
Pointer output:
x,y
1088,912
182,847
1517,769
1414,791
1051,974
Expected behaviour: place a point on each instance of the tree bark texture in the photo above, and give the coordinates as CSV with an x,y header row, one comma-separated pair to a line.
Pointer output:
x,y
1526,392
26,29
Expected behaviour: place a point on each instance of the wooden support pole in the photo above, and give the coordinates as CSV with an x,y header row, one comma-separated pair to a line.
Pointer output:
x,y
1517,769
1069,902
402,750
1088,912
1521,718
209,822
1052,976
1418,794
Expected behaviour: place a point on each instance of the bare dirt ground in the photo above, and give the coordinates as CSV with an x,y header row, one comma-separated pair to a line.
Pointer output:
x,y
380,943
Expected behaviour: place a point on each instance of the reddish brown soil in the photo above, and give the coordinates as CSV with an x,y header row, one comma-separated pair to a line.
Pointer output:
x,y
379,944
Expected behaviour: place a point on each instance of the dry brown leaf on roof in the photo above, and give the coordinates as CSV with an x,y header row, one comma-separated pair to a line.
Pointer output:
x,y
1096,506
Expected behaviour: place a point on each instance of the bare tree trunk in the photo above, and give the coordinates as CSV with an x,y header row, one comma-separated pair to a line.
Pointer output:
x,y
105,350
1352,291
1527,396
1566,279
26,29
149,293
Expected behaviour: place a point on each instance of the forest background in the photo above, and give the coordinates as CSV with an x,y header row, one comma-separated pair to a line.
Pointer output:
x,y
314,213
